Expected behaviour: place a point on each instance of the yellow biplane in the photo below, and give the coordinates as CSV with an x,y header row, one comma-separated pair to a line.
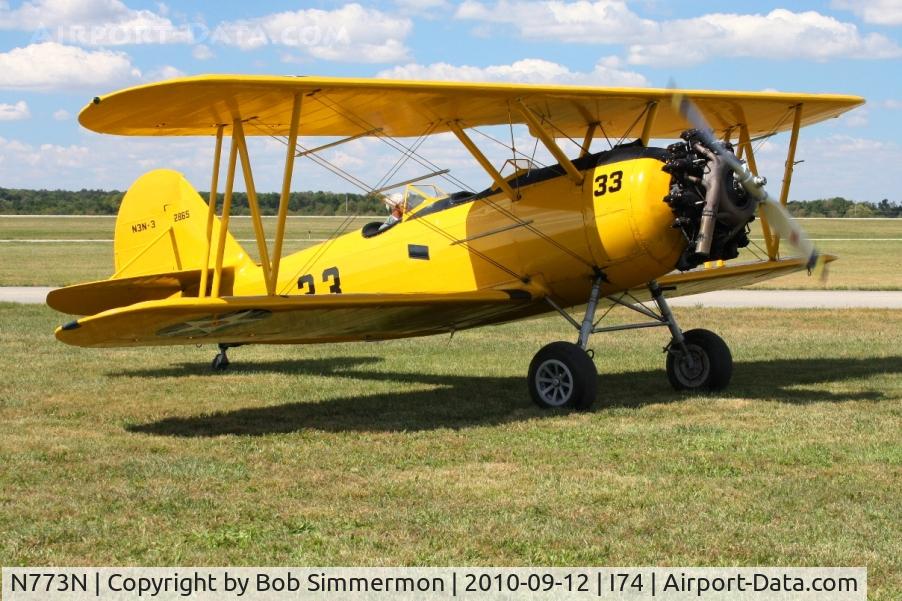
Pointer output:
x,y
621,226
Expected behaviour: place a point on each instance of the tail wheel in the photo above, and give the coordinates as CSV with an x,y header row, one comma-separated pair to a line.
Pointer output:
x,y
220,362
707,366
562,375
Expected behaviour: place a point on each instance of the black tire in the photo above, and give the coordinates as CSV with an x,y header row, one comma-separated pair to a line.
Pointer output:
x,y
220,362
712,365
562,375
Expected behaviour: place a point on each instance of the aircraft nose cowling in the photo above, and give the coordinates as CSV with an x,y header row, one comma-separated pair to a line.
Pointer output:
x,y
634,240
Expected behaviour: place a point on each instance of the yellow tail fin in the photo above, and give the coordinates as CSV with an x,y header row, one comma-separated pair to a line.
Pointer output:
x,y
161,228
159,245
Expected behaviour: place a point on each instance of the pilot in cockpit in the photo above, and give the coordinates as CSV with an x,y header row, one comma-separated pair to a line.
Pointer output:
x,y
395,204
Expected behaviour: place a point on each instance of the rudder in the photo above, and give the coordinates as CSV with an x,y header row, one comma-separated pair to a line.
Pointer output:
x,y
161,227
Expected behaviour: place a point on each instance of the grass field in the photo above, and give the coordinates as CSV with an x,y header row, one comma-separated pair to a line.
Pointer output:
x,y
870,251
429,451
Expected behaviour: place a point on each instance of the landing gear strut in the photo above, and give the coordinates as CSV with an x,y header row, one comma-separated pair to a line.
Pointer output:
x,y
562,374
221,361
697,359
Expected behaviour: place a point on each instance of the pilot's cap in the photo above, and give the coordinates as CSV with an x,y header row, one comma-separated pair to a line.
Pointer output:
x,y
394,199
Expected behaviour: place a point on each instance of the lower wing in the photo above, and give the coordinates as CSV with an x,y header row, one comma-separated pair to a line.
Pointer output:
x,y
721,278
295,319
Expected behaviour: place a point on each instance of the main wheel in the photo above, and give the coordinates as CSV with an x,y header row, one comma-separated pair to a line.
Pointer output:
x,y
708,366
562,375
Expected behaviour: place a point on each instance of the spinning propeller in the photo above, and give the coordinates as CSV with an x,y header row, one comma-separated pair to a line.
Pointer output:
x,y
778,218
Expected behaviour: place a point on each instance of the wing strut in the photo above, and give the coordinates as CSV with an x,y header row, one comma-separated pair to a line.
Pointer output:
x,y
790,162
587,139
539,130
772,240
745,144
224,220
482,160
211,213
260,234
286,192
649,122
238,151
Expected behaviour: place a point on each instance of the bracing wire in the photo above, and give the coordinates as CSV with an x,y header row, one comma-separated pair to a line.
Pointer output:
x,y
338,231
606,138
390,141
633,124
405,156
774,129
348,220
560,131
322,162
605,314
342,227
516,152
756,245
536,231
410,152
476,252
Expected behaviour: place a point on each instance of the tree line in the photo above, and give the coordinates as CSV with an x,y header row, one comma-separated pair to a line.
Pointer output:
x,y
841,207
106,202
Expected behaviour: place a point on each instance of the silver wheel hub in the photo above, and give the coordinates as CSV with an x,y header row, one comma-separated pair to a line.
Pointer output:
x,y
692,369
554,382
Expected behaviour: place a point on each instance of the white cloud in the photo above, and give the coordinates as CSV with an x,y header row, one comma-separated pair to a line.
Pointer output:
x,y
780,34
202,52
164,73
93,23
428,9
892,104
607,72
54,66
603,21
351,33
14,112
61,115
97,162
857,117
836,165
19,158
878,12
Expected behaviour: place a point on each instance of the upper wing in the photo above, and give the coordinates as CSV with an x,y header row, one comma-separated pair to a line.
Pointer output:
x,y
722,278
295,319
346,107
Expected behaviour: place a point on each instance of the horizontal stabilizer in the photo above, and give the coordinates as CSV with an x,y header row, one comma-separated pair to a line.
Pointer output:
x,y
95,297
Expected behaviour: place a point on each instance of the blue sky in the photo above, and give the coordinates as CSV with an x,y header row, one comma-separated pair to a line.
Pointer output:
x,y
56,54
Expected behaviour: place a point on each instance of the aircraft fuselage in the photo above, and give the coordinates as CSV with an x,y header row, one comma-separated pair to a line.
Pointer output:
x,y
551,238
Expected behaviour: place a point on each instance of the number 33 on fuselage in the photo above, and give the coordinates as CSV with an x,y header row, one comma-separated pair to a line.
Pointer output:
x,y
601,183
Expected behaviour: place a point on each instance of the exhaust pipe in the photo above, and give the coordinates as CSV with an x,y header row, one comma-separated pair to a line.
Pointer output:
x,y
714,191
